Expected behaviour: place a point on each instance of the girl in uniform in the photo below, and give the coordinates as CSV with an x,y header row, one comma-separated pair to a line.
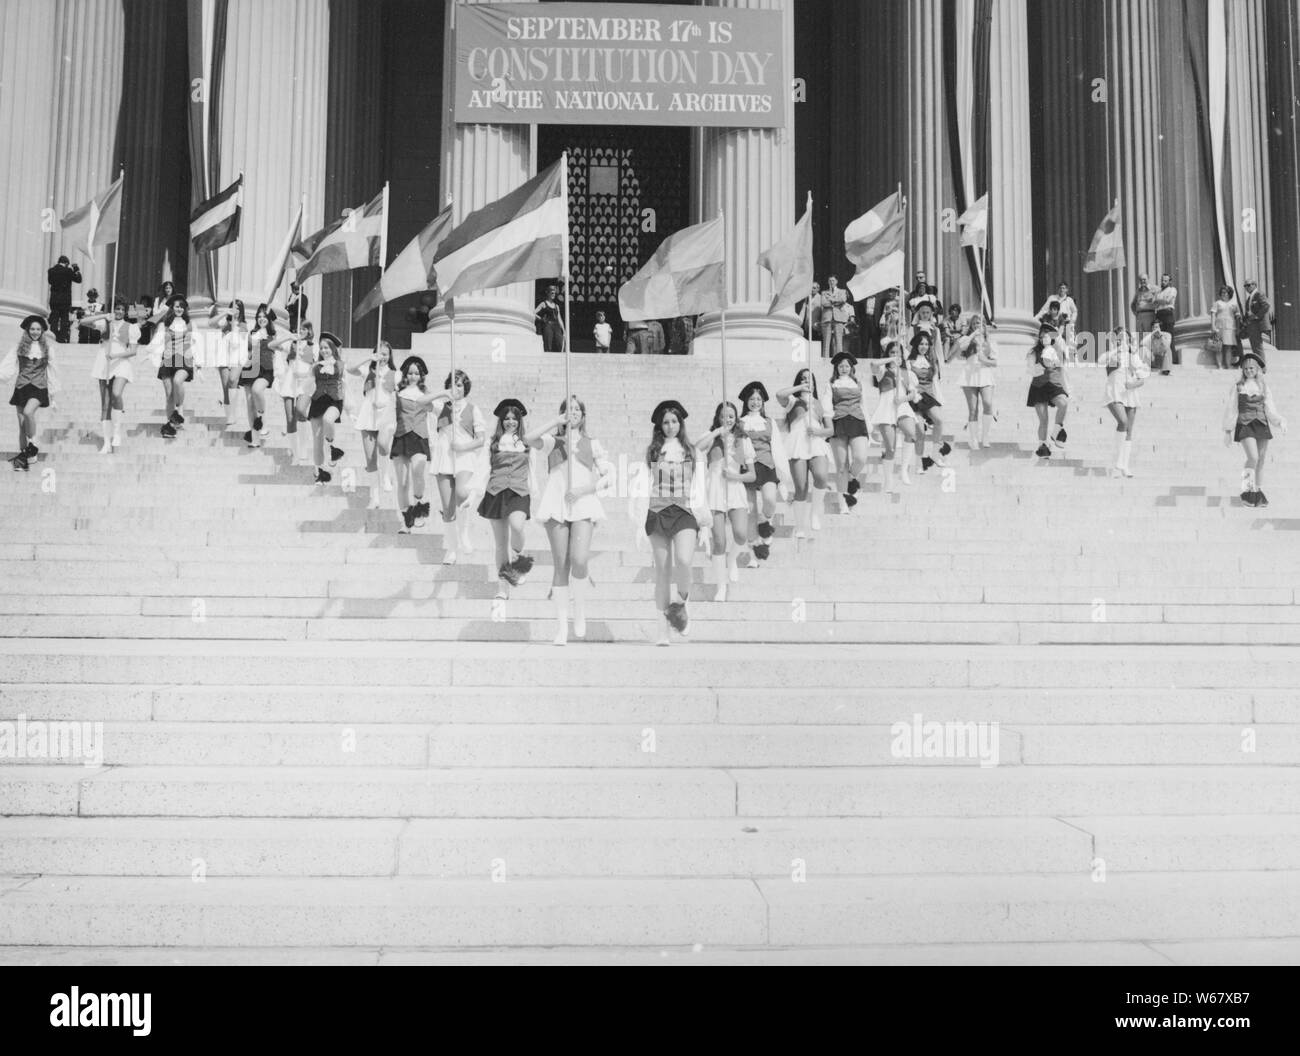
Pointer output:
x,y
923,362
174,352
461,433
411,440
259,373
30,367
507,501
376,419
295,381
230,349
805,442
770,466
1247,419
896,385
570,510
1126,372
729,457
671,527
113,369
979,364
326,407
850,441
1047,387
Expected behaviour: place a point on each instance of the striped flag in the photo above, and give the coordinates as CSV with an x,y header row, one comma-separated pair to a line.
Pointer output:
x,y
351,241
975,222
412,270
96,223
215,223
517,237
275,274
791,263
874,243
1107,250
684,277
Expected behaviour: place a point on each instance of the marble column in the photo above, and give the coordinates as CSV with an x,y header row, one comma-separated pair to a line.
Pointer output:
x,y
1133,46
91,35
1011,220
1283,63
928,167
1248,211
749,174
1189,250
481,163
272,129
29,73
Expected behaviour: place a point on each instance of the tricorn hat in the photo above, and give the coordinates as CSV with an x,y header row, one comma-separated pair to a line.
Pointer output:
x,y
511,404
668,405
750,389
35,319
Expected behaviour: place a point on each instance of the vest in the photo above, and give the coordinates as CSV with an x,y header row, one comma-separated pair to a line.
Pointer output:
x,y
670,485
176,348
265,354
509,470
585,455
1250,407
846,401
924,369
762,441
33,371
466,416
330,385
412,417
1053,376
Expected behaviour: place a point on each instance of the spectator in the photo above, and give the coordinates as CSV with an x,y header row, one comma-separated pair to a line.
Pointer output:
x,y
1225,323
813,305
61,277
1166,310
1144,305
1258,318
835,312
682,330
923,293
602,332
89,335
161,303
1157,347
296,306
637,336
657,342
549,320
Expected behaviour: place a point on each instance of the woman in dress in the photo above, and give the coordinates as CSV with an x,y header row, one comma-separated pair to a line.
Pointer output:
x,y
326,406
229,352
807,429
462,434
173,350
376,418
729,457
979,364
570,509
850,441
411,440
507,499
923,362
771,468
895,386
1048,386
1249,419
295,382
671,527
33,373
1225,321
1126,373
259,372
113,369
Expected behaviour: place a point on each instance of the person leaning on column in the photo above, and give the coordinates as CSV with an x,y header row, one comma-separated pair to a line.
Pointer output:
x,y
1258,318
1143,306
813,307
835,312
1166,299
61,277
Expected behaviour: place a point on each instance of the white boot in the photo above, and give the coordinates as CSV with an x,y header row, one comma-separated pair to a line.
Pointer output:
x,y
815,505
720,576
801,514
373,477
972,440
107,445
986,422
117,428
466,539
578,588
887,470
449,544
561,597
1118,469
1126,452
665,630
904,473
733,566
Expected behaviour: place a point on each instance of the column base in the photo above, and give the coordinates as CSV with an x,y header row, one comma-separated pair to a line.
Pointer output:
x,y
1016,331
1191,336
435,346
16,306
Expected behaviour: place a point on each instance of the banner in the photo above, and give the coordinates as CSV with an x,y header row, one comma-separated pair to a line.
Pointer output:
x,y
624,64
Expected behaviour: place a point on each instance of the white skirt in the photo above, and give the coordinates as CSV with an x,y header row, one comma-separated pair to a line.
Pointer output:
x,y
978,376
1116,393
291,384
445,462
121,367
371,417
803,445
887,414
218,352
725,495
552,506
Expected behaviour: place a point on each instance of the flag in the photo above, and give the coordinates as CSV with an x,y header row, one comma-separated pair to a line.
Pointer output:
x,y
351,241
412,270
1107,250
975,220
514,238
275,274
791,263
215,223
96,223
874,243
684,277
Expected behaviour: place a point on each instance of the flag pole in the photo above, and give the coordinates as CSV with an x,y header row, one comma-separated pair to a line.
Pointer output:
x,y
564,266
726,287
112,289
809,305
902,305
383,263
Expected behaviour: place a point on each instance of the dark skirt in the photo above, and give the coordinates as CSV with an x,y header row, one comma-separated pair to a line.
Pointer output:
x,y
669,521
408,445
922,407
849,428
171,372
763,475
1257,428
267,375
1044,394
320,404
29,392
501,505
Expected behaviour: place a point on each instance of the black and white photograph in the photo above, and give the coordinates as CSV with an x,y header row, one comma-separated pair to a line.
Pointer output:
x,y
716,483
